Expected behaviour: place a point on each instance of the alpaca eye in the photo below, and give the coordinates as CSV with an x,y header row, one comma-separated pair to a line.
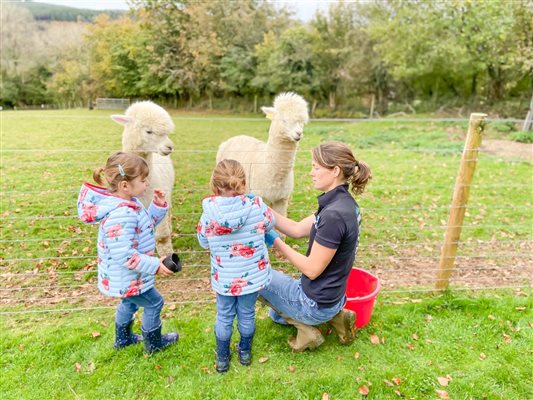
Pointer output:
x,y
149,132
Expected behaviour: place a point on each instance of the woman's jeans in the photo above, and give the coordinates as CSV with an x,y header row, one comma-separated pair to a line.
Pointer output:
x,y
152,302
230,306
286,295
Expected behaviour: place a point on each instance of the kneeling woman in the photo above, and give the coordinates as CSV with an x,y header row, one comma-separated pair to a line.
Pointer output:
x,y
333,231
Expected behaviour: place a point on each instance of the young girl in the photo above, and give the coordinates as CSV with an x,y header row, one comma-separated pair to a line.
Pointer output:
x,y
232,227
126,243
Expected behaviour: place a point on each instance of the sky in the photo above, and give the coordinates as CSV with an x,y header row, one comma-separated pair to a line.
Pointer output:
x,y
305,9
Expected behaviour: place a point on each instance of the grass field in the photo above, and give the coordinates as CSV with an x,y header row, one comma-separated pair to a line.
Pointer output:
x,y
481,339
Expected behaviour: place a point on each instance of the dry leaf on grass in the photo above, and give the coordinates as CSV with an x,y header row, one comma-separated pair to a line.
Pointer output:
x,y
325,396
291,368
77,367
388,383
482,356
263,360
398,393
410,346
520,308
364,390
374,339
415,336
397,381
443,381
443,394
96,334
356,355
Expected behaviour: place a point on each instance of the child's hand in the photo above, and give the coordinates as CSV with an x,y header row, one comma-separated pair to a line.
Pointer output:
x,y
159,196
162,270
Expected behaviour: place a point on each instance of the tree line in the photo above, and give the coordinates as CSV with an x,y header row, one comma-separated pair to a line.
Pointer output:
x,y
418,54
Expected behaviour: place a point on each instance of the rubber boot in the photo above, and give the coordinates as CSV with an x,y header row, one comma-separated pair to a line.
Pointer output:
x,y
244,349
307,337
223,356
154,341
344,324
124,336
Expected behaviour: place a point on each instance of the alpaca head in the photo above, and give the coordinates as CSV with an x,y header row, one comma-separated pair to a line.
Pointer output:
x,y
289,115
146,128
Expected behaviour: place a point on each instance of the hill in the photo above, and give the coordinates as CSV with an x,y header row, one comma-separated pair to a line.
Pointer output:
x,y
52,12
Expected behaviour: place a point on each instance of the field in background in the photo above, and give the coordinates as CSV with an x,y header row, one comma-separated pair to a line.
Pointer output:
x,y
47,264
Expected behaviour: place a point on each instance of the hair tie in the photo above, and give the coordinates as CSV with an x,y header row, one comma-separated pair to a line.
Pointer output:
x,y
121,170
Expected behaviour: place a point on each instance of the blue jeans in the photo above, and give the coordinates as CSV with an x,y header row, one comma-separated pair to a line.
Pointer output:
x,y
230,306
152,302
286,295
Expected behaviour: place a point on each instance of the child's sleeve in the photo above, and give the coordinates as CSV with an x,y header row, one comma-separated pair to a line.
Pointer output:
x,y
200,232
157,211
119,237
268,216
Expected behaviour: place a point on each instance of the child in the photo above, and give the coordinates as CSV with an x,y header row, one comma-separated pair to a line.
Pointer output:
x,y
232,227
126,243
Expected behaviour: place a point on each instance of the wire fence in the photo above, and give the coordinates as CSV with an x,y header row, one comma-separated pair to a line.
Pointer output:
x,y
48,258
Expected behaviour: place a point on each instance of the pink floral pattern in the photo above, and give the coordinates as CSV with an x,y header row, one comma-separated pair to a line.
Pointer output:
x,y
236,286
89,212
114,231
133,262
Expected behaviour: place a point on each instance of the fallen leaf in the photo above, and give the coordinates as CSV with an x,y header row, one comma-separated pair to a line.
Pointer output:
x,y
157,366
92,367
356,355
397,381
429,318
410,346
364,390
507,338
383,340
21,347
482,356
104,323
491,317
398,393
520,308
374,339
443,394
263,360
172,307
415,336
95,334
325,396
387,382
291,368
77,367
443,381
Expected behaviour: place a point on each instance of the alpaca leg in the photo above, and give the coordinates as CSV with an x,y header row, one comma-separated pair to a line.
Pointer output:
x,y
163,237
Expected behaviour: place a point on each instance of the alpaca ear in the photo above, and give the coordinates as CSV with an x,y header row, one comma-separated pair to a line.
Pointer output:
x,y
121,119
269,112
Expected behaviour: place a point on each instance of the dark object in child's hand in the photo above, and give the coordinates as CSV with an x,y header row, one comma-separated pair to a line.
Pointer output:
x,y
172,262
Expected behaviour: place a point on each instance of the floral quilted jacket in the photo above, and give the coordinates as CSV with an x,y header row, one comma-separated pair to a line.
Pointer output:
x,y
233,229
126,240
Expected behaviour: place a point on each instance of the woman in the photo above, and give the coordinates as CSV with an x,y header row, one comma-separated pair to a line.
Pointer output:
x,y
333,231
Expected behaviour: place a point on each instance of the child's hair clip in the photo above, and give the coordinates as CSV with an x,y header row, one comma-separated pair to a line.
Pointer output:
x,y
121,170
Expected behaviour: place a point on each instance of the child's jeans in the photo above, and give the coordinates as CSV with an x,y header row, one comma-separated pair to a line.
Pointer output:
x,y
152,302
230,306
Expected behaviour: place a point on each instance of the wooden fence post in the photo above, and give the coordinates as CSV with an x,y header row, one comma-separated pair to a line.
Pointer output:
x,y
460,198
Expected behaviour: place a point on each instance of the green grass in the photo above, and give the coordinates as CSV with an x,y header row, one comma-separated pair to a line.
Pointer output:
x,y
47,262
483,342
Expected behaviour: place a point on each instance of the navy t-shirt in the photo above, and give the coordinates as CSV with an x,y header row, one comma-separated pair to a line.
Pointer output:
x,y
336,227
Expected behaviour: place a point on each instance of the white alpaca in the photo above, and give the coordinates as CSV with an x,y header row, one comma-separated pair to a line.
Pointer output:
x,y
146,129
269,166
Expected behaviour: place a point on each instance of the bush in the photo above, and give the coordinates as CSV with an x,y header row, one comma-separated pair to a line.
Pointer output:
x,y
522,137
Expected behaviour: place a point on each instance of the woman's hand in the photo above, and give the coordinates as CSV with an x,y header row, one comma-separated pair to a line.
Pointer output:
x,y
292,228
160,197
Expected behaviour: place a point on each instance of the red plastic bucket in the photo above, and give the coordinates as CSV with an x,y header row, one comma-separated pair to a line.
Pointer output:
x,y
361,291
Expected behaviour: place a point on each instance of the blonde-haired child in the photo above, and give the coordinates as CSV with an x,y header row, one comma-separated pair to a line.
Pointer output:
x,y
126,243
232,227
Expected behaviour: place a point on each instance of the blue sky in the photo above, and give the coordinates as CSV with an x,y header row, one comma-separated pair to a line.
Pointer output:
x,y
305,9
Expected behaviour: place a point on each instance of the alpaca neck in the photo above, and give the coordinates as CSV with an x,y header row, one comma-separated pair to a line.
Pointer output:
x,y
283,150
